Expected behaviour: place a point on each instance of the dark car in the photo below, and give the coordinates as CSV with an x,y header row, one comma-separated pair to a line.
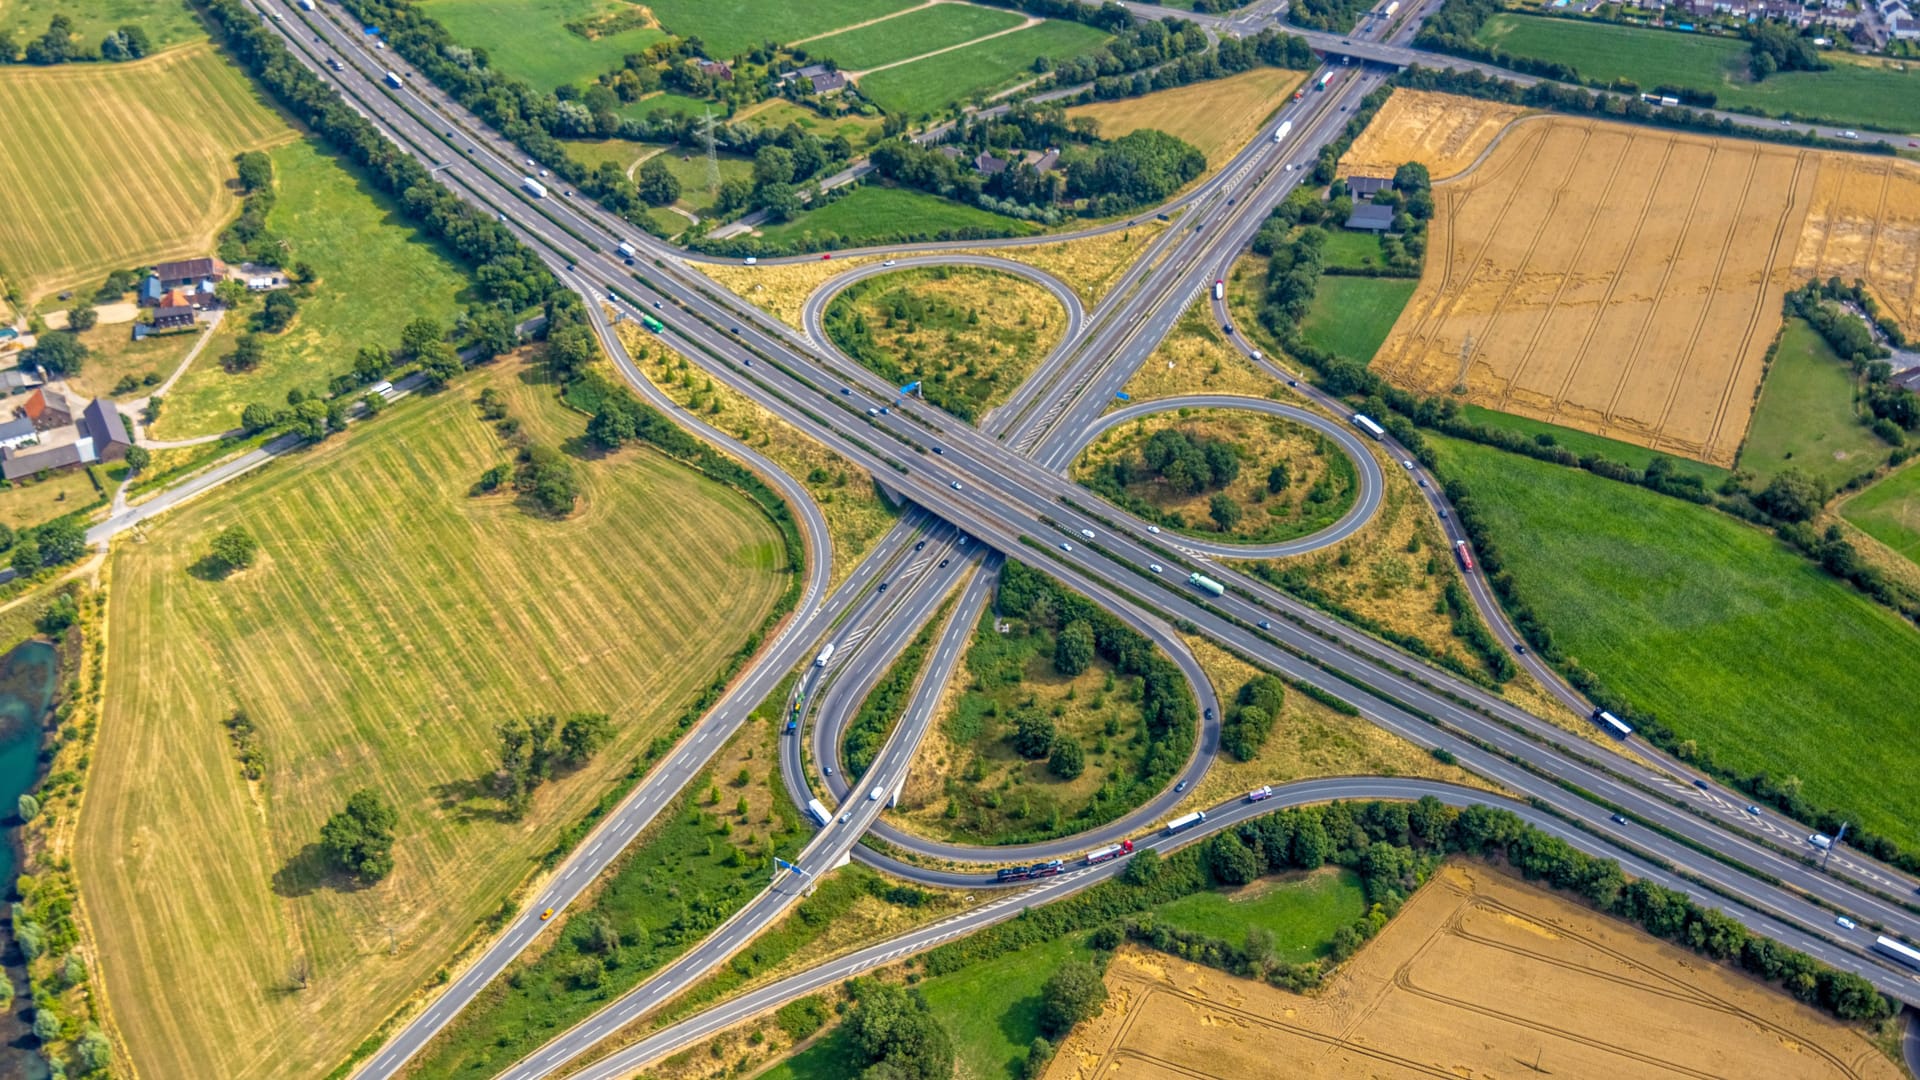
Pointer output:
x,y
1701,784
1618,819
1265,625
938,450
921,546
883,586
944,562
1209,714
846,391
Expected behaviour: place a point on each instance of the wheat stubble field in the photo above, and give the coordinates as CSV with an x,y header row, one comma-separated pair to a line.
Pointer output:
x,y
1479,975
390,623
1627,281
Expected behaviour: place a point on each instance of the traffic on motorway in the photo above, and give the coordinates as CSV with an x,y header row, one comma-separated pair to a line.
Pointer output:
x,y
1000,489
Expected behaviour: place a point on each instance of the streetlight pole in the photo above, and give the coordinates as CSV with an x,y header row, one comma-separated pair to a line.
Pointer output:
x,y
1828,853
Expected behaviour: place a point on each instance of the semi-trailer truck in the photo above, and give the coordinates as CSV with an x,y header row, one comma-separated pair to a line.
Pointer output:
x,y
1206,584
1219,289
1108,853
1465,556
1365,423
1186,821
819,813
533,187
1285,129
393,80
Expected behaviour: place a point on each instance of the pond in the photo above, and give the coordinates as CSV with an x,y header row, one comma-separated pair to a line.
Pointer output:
x,y
28,676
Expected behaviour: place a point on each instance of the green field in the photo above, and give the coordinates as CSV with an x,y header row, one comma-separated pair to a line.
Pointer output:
x,y
529,39
1584,443
391,622
929,86
1862,92
1351,249
872,214
992,1008
376,273
728,27
167,24
779,113
1889,511
668,103
116,165
689,167
1805,417
912,34
1352,316
1302,912
1714,626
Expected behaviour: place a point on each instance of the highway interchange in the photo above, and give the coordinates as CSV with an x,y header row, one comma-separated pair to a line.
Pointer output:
x,y
1001,489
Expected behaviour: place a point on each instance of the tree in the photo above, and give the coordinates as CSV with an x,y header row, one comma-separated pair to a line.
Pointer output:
x,y
1792,495
60,353
1278,478
439,364
419,336
359,839
46,1024
1231,861
245,356
230,292
254,418
82,317
26,557
28,806
772,165
1225,511
255,170
1143,868
492,333
61,540
899,1035
1073,649
547,476
93,1052
277,313
1073,993
583,735
134,38
138,458
1067,760
656,183
234,548
1032,735
615,423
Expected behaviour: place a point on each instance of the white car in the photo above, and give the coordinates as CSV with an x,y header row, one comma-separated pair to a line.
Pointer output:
x,y
1845,923
889,262
1408,464
1154,566
1066,547
1088,533
532,164
874,795
1155,529
751,260
956,485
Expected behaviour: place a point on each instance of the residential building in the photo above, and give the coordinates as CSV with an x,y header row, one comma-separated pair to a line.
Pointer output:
x,y
189,273
16,431
97,434
1366,187
988,165
831,82
47,408
172,316
100,422
1370,218
717,70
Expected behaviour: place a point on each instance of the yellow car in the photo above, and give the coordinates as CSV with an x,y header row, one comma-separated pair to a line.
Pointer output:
x,y
547,914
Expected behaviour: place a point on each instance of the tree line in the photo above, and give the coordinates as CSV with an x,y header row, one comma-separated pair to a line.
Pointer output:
x,y
61,44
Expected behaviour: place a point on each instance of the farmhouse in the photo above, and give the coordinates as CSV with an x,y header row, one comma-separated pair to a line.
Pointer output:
x,y
831,82
47,409
98,434
1366,187
171,316
190,273
988,165
1370,218
717,70
16,431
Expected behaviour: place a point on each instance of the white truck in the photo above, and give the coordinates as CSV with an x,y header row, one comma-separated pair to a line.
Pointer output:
x,y
1219,289
1281,132
826,654
626,249
1186,821
534,187
393,80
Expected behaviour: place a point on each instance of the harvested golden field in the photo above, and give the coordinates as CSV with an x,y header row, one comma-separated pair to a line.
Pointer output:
x,y
1615,279
1443,132
1479,975
1865,223
390,622
1217,117
113,165
855,512
1308,740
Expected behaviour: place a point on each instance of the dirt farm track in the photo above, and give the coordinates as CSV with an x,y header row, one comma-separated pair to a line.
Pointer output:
x,y
1627,281
1478,977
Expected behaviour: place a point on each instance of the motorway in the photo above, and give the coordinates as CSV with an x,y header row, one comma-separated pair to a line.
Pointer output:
x,y
1023,510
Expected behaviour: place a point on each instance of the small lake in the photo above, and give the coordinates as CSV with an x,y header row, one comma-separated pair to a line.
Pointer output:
x,y
28,676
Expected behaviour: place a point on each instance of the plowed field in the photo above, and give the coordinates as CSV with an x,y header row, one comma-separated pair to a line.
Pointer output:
x,y
1479,976
1615,279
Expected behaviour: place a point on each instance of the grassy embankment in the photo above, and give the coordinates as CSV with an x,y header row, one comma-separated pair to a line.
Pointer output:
x,y
391,621
529,39
1806,418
